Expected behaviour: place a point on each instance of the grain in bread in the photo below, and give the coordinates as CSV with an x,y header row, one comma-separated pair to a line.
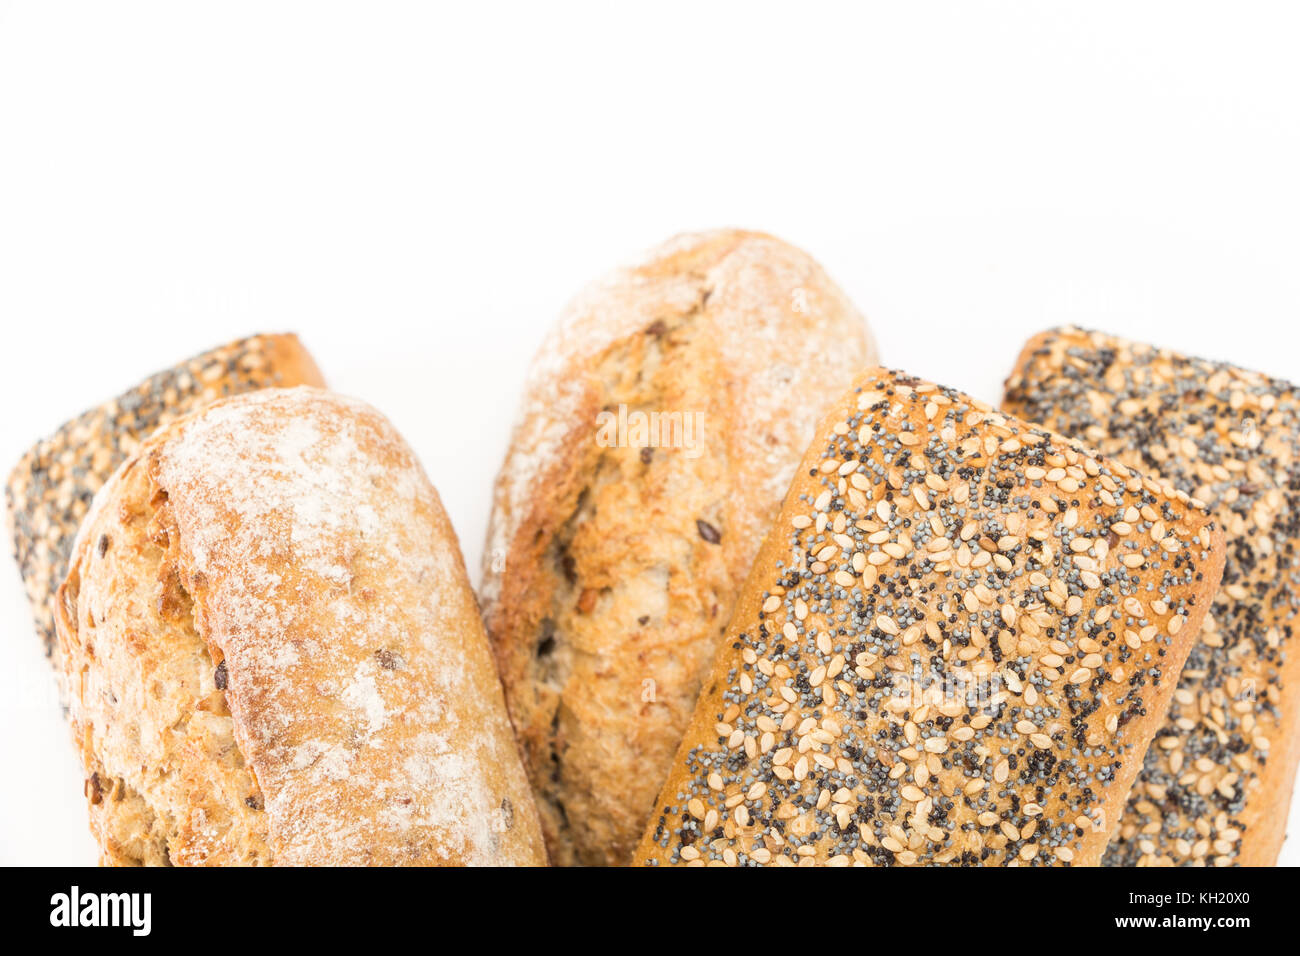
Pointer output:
x,y
1217,782
50,489
273,656
613,559
954,648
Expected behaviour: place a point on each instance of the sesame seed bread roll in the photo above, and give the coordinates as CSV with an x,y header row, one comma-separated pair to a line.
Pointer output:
x,y
273,655
954,648
616,547
49,490
1216,785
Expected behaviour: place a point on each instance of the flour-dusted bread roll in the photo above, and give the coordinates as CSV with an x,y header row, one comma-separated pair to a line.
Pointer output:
x,y
1216,786
954,648
272,654
661,424
49,490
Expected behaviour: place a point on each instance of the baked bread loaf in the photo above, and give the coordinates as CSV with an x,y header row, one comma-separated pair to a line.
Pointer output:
x,y
49,491
273,656
661,423
1216,785
954,648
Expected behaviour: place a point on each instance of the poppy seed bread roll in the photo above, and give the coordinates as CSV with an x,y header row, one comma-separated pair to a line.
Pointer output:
x,y
661,423
1216,786
272,654
953,649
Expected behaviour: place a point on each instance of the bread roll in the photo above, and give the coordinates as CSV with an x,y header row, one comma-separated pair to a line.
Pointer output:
x,y
272,654
1216,786
617,543
954,648
50,488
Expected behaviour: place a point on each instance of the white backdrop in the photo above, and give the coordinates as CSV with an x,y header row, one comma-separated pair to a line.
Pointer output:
x,y
417,189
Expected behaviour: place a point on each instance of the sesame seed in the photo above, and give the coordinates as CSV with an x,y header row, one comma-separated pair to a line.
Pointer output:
x,y
917,684
1221,438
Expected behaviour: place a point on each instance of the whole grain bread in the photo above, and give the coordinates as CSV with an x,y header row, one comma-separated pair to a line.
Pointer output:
x,y
1216,785
617,543
273,656
50,489
954,648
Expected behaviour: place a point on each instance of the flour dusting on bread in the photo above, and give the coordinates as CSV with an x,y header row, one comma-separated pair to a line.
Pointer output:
x,y
753,285
326,582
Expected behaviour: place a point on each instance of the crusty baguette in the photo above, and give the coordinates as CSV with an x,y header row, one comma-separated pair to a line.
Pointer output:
x,y
50,488
610,569
954,648
273,656
1216,786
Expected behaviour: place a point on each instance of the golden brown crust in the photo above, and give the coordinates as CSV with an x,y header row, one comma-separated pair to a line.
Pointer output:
x,y
50,489
611,567
953,648
273,654
166,783
1217,783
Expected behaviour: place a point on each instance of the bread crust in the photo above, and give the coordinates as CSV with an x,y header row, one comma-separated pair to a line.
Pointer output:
x,y
921,669
50,489
273,654
610,568
1216,786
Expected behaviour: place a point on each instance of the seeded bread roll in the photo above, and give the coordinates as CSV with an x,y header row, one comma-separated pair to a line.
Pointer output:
x,y
273,656
1217,782
954,648
50,489
611,563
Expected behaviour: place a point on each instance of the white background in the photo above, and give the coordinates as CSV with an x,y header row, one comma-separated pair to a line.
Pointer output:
x,y
418,189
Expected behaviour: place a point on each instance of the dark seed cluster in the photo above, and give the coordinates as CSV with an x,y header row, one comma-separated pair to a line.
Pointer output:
x,y
1232,439
953,654
50,489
